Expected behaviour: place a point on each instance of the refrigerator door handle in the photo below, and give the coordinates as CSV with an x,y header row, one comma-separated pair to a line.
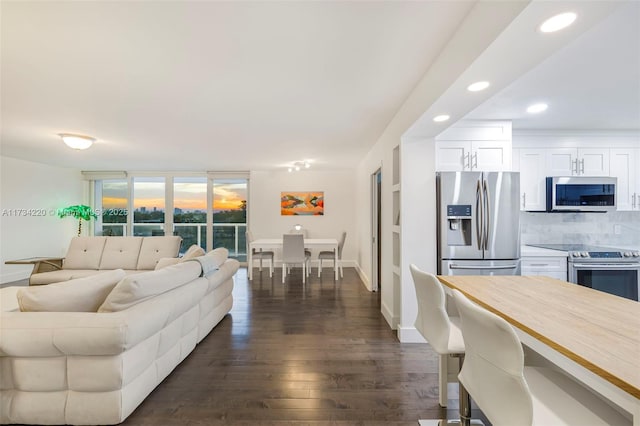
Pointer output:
x,y
454,266
479,217
487,214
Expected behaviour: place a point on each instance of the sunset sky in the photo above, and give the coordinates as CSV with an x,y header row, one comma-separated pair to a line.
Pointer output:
x,y
189,194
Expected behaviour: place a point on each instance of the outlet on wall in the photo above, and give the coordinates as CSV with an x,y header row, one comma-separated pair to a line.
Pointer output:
x,y
616,229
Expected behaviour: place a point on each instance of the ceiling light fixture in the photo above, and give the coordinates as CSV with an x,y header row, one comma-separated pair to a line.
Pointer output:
x,y
298,165
440,118
478,86
536,108
558,22
77,141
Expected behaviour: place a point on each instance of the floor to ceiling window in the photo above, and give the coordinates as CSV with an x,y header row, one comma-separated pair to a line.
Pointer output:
x,y
190,210
148,206
209,210
113,207
230,215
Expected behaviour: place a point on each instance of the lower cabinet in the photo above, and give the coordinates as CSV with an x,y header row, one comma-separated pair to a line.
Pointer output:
x,y
550,266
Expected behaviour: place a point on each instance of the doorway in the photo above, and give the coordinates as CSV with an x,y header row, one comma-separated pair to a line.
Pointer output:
x,y
376,230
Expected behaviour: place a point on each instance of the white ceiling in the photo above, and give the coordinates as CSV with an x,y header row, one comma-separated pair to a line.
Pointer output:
x,y
259,85
212,85
592,83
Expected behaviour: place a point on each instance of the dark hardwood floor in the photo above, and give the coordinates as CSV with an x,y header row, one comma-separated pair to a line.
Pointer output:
x,y
293,354
318,354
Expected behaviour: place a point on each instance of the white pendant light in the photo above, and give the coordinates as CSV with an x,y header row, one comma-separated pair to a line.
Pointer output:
x,y
77,141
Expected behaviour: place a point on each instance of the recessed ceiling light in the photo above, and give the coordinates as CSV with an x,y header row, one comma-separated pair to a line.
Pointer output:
x,y
558,22
478,86
440,118
536,108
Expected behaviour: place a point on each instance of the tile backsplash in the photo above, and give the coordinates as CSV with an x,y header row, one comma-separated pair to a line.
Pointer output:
x,y
582,228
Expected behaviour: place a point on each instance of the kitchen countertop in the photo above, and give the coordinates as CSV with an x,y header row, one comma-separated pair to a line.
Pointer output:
x,y
598,331
526,251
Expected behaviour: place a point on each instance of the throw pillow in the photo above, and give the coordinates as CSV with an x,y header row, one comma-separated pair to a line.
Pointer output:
x,y
137,288
79,295
194,251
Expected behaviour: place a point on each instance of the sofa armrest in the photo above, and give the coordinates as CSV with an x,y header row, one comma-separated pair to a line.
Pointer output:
x,y
40,264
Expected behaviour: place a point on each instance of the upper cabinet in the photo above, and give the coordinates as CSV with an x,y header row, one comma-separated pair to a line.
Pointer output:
x,y
578,162
474,145
624,164
537,156
532,168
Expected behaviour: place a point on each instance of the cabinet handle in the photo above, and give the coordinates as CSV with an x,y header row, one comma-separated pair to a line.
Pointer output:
x,y
524,200
581,166
633,201
475,161
574,171
538,264
466,161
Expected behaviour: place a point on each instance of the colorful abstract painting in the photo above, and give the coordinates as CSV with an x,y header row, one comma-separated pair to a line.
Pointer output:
x,y
302,203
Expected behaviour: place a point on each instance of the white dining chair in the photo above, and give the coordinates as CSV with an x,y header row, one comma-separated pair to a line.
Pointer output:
x,y
293,253
259,254
330,255
512,394
441,331
301,231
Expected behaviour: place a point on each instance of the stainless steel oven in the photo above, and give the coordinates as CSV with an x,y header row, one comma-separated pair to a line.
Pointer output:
x,y
612,271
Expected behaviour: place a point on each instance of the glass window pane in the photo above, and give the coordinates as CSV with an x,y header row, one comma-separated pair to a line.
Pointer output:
x,y
148,206
190,211
113,207
230,216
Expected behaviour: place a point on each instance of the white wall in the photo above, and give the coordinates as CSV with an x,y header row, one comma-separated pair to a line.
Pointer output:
x,y
340,207
27,185
418,168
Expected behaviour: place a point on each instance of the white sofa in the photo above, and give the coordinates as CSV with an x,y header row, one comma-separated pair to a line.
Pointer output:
x,y
88,255
97,367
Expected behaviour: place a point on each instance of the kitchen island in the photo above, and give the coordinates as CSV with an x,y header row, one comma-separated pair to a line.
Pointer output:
x,y
591,335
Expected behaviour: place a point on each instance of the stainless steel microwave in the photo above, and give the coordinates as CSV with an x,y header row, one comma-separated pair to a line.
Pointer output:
x,y
581,194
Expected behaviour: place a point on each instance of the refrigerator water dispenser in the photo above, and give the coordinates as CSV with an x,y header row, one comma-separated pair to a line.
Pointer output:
x,y
459,229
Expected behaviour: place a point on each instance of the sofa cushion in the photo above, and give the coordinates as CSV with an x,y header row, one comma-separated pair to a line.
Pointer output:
x,y
84,253
121,253
79,295
166,261
155,248
137,288
61,275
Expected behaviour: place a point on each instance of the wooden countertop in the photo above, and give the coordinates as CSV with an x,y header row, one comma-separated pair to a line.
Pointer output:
x,y
597,330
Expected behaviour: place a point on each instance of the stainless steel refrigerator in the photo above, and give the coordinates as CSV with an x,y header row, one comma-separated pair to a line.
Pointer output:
x,y
478,223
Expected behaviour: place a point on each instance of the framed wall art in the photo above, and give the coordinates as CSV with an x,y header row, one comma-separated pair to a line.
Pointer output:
x,y
302,203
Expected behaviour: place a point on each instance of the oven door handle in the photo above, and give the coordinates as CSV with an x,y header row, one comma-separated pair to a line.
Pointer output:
x,y
606,266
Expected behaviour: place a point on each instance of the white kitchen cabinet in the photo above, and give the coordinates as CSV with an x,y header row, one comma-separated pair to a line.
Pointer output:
x,y
456,156
550,266
532,168
624,164
577,162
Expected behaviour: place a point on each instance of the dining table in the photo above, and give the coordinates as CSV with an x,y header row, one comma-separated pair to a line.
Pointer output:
x,y
309,243
592,336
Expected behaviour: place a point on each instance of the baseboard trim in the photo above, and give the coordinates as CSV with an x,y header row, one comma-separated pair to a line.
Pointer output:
x,y
388,316
363,276
410,335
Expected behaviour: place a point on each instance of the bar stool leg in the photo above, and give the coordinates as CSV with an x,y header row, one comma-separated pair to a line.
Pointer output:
x,y
465,406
